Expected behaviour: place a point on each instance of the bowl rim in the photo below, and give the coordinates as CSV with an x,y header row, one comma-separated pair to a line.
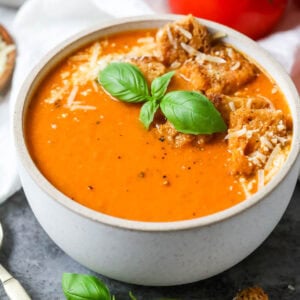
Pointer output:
x,y
24,157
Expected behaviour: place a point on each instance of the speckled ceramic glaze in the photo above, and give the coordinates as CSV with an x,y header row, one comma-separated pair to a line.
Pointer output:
x,y
148,253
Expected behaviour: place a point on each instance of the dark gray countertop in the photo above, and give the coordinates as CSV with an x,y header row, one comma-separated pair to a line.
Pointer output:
x,y
38,263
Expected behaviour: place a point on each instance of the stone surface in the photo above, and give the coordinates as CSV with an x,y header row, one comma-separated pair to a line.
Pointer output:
x,y
38,263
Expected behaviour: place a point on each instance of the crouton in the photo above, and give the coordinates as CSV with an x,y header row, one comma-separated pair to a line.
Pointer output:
x,y
150,66
252,136
218,77
168,132
252,293
196,75
227,104
231,75
187,31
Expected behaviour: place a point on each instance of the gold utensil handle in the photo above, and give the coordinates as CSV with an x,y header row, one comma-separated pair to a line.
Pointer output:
x,y
12,286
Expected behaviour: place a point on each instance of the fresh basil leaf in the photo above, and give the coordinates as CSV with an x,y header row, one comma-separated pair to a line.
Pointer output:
x,y
84,287
147,112
125,82
131,296
160,84
192,112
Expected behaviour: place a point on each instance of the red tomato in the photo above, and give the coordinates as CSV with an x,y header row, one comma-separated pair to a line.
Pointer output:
x,y
255,18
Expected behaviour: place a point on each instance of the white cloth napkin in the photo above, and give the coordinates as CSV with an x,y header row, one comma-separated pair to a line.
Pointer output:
x,y
41,24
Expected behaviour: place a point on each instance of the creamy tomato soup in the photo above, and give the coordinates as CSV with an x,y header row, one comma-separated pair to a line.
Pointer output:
x,y
95,150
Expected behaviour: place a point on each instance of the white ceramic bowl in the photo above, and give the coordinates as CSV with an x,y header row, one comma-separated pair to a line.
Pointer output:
x,y
166,253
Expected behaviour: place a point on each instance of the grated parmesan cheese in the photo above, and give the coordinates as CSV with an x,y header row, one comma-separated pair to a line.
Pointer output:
x,y
245,188
184,77
274,89
218,35
281,126
270,162
231,106
72,96
95,53
79,57
277,164
255,161
175,65
236,133
82,107
95,86
257,158
170,37
260,179
265,143
271,105
200,57
186,33
235,66
57,94
146,40
229,52
249,102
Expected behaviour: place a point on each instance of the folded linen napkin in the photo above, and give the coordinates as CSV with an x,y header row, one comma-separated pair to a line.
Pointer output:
x,y
41,24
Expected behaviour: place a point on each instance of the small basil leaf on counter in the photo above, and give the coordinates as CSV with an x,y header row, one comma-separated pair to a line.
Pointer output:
x,y
84,287
192,113
160,84
125,82
147,112
131,296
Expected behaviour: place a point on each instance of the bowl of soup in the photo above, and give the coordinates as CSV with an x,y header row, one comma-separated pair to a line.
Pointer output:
x,y
158,150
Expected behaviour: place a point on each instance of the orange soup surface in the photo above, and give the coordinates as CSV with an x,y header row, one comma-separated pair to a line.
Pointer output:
x,y
95,150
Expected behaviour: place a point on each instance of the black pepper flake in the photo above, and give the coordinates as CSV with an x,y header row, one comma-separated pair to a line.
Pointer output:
x,y
162,139
142,174
57,104
98,122
162,157
164,176
119,157
188,168
90,187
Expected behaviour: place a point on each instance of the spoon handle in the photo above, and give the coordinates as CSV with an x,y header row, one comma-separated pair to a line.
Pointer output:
x,y
12,286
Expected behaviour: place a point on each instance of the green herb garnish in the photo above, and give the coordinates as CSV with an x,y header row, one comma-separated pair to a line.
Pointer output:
x,y
131,296
189,112
84,287
192,112
87,287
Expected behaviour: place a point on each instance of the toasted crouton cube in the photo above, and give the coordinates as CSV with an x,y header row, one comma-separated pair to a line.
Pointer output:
x,y
231,75
168,132
252,293
252,136
224,76
150,66
196,75
188,31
